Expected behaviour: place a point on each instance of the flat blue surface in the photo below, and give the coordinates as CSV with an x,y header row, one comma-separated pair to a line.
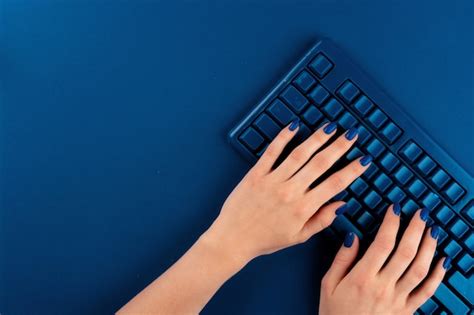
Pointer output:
x,y
114,117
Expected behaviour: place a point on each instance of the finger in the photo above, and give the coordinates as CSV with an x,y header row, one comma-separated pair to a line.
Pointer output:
x,y
302,153
339,181
322,219
342,263
429,286
421,265
275,148
322,161
384,242
408,247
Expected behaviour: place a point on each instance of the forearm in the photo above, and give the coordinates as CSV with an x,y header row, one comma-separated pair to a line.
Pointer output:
x,y
189,284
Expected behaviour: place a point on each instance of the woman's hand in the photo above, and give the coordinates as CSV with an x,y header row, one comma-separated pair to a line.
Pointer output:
x,y
272,209
382,282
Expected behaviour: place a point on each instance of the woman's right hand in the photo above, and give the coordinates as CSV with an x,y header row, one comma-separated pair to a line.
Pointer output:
x,y
382,282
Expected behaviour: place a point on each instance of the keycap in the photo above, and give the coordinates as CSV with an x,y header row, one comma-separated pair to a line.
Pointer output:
x,y
281,112
348,92
396,194
312,115
318,95
304,81
442,235
431,200
411,151
381,208
372,199
409,207
347,121
365,220
340,196
353,207
294,99
469,242
426,165
402,175
468,212
450,300
251,138
376,118
358,186
439,178
429,307
388,162
354,153
363,105
382,182
452,249
390,132
267,126
333,108
444,214
375,148
453,192
370,172
465,263
303,132
458,228
320,65
363,135
463,285
417,188
342,225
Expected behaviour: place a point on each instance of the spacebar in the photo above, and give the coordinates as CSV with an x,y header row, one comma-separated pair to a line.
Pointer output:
x,y
342,225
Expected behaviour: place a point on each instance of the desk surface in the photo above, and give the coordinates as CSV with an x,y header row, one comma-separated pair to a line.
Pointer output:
x,y
113,123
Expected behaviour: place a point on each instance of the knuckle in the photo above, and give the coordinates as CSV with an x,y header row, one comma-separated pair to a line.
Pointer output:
x,y
338,182
284,194
322,162
429,291
271,150
420,272
298,155
407,252
384,243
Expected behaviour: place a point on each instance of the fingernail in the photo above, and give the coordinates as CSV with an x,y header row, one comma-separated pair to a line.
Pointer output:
x,y
351,133
330,128
447,263
294,124
349,239
397,209
424,214
341,209
364,161
435,232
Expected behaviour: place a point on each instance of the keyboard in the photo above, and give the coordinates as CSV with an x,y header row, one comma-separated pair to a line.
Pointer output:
x,y
409,167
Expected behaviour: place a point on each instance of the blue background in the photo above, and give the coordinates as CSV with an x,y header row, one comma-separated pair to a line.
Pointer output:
x,y
114,117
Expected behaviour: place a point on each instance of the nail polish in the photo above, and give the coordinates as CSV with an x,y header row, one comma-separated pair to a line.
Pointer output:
x,y
364,161
447,263
341,209
435,232
397,209
349,239
351,133
294,124
330,128
424,214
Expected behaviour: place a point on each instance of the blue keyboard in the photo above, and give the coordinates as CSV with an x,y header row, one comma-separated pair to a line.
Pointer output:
x,y
409,167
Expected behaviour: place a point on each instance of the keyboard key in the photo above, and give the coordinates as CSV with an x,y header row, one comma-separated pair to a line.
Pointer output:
x,y
439,178
468,212
348,92
358,187
294,99
431,200
375,148
304,81
320,65
459,228
318,95
429,307
409,207
453,192
417,188
281,112
426,165
391,132
410,151
370,172
251,138
403,175
396,195
353,207
382,182
341,196
388,162
450,300
452,249
444,215
372,199
363,136
465,263
347,121
463,285
442,235
366,220
363,105
333,108
354,153
312,115
377,118
267,126
469,242
303,133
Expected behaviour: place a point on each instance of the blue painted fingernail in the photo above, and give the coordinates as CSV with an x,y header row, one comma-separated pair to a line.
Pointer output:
x,y
341,209
365,160
351,133
397,209
424,214
294,124
330,128
435,232
349,239
447,263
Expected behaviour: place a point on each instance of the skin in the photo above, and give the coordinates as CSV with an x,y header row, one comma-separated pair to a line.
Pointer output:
x,y
270,209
